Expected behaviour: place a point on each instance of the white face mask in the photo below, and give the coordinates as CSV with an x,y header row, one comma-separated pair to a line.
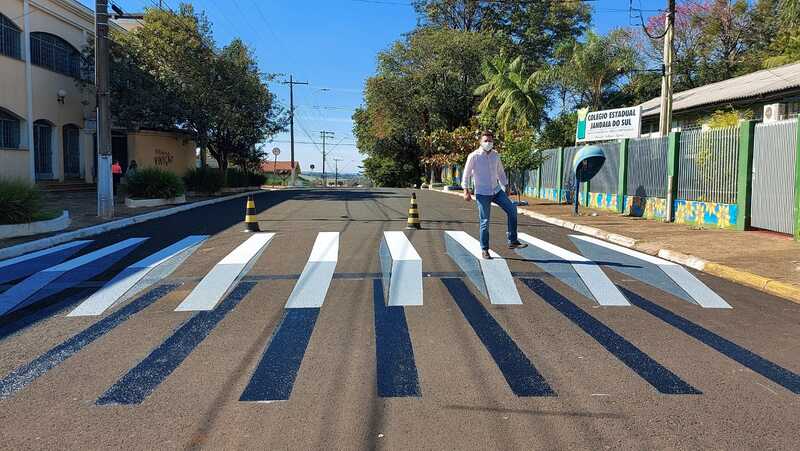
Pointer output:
x,y
487,146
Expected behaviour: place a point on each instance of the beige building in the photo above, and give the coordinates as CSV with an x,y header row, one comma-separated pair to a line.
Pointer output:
x,y
43,108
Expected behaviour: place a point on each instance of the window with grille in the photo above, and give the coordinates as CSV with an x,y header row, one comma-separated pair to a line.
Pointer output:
x,y
9,131
9,38
56,54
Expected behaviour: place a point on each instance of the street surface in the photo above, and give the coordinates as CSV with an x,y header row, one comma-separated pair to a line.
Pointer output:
x,y
266,364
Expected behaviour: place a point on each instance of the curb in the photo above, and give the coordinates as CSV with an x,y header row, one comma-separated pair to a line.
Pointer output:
x,y
36,227
32,246
771,286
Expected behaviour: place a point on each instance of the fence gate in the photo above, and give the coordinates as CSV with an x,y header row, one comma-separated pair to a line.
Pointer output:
x,y
774,154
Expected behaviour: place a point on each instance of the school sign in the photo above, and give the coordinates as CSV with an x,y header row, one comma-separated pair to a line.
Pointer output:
x,y
608,124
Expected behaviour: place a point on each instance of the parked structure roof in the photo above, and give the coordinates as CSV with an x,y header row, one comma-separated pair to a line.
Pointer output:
x,y
754,85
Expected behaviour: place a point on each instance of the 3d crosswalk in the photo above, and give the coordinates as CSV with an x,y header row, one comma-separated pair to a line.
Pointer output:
x,y
396,287
207,294
134,278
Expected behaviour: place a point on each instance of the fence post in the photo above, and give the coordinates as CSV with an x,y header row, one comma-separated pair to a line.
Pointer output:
x,y
797,186
560,174
673,151
622,186
539,181
585,194
744,174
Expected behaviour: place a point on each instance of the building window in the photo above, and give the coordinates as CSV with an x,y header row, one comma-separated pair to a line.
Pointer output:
x,y
56,54
9,131
9,38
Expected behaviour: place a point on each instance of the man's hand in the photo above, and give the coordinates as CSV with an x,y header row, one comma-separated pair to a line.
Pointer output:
x,y
467,196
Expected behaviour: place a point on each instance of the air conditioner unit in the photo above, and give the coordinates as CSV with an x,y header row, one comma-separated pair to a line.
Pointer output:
x,y
774,112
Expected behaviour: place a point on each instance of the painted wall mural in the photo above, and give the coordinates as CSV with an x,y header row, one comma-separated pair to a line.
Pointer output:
x,y
706,214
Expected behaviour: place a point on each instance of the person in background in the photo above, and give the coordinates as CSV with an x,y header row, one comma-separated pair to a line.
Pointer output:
x,y
132,168
116,172
485,168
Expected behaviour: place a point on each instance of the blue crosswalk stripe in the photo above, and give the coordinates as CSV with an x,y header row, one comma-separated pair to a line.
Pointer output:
x,y
24,375
135,386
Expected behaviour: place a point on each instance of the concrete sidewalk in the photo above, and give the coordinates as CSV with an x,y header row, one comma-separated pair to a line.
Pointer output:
x,y
767,261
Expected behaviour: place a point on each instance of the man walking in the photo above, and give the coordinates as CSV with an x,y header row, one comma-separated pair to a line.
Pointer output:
x,y
485,168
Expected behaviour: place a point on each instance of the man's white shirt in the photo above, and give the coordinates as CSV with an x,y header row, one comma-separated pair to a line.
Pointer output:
x,y
486,169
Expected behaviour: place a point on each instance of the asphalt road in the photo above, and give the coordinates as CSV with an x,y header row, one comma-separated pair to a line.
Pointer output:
x,y
557,372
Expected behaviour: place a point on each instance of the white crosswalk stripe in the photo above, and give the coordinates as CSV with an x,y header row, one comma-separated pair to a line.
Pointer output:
x,y
702,295
213,287
600,286
401,267
129,281
492,277
312,286
43,282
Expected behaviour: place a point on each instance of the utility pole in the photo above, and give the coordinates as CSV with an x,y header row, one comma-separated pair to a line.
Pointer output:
x,y
336,179
324,134
105,187
665,115
291,84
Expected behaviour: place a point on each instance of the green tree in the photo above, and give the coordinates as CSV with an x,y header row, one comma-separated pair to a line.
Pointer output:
x,y
422,83
510,95
594,71
519,153
532,29
244,112
558,132
168,74
177,48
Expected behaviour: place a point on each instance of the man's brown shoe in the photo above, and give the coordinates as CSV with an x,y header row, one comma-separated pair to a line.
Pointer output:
x,y
517,245
486,255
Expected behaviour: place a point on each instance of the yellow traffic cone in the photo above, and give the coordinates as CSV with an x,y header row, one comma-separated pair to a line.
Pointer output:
x,y
413,214
250,216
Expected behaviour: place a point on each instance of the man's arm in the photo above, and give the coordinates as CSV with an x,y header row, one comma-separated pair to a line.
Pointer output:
x,y
466,177
501,174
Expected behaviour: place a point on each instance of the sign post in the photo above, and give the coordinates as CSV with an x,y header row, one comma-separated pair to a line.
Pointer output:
x,y
607,125
275,151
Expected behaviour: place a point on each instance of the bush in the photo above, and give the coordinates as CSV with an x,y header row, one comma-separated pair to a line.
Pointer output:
x,y
154,183
257,179
204,180
20,202
238,178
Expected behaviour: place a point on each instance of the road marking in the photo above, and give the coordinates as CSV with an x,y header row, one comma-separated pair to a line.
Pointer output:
x,y
662,379
519,372
697,291
491,277
275,374
138,383
224,275
396,369
592,277
64,275
401,268
25,265
25,374
132,280
312,286
753,361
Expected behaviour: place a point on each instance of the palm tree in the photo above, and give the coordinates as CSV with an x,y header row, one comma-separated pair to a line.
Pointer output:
x,y
510,95
591,70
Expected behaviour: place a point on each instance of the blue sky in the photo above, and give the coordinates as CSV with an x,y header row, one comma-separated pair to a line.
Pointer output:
x,y
331,44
